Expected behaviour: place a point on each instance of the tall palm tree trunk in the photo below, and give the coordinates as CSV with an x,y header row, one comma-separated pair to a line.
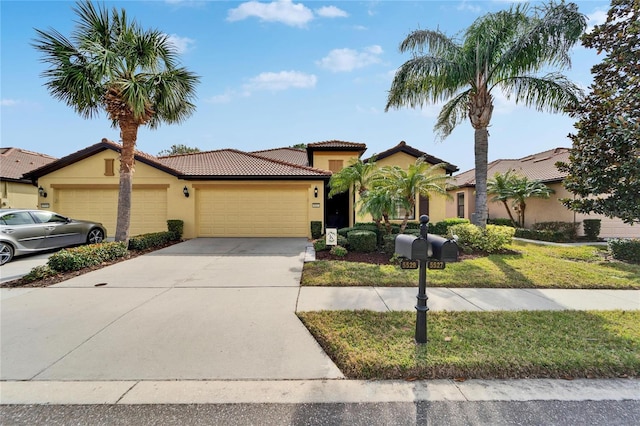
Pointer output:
x,y
481,148
129,135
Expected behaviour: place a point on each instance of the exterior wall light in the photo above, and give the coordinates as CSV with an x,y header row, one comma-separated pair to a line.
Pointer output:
x,y
42,192
185,191
315,192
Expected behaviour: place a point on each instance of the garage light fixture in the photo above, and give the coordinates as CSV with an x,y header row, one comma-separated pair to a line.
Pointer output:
x,y
42,192
315,192
185,191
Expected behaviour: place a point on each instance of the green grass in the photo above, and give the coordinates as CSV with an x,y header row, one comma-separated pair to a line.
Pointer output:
x,y
528,344
527,266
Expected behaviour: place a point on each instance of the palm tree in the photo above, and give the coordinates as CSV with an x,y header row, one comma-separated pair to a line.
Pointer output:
x,y
501,187
518,189
111,64
404,185
379,203
522,189
502,50
357,175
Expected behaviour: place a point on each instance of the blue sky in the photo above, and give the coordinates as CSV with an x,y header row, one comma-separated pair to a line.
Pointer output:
x,y
276,74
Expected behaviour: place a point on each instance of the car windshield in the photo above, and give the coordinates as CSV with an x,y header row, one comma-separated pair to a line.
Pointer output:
x,y
49,217
17,218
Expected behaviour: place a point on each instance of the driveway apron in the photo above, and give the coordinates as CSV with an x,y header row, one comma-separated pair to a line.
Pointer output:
x,y
204,309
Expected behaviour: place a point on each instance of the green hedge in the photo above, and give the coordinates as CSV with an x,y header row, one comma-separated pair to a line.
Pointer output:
x,y
316,229
442,227
362,241
591,228
568,230
500,221
176,227
339,251
626,249
76,258
154,239
546,235
492,239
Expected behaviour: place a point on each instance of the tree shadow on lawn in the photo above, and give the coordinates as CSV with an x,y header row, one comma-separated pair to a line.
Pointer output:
x,y
515,278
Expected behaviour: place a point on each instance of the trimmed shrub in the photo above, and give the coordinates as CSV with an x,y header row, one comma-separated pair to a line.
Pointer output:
x,y
320,245
625,249
316,229
591,229
492,239
362,241
338,251
345,231
442,227
76,258
545,235
568,230
154,239
175,227
389,244
38,273
343,241
500,221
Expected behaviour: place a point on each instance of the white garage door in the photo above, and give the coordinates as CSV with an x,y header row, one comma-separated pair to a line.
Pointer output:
x,y
253,212
148,208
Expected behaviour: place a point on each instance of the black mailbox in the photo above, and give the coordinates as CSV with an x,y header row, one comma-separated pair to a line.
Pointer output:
x,y
443,249
412,247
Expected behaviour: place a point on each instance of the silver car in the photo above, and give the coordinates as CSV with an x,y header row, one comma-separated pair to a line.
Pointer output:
x,y
28,231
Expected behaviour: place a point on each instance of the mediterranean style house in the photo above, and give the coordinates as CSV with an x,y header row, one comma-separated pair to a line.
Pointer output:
x,y
222,193
15,190
540,166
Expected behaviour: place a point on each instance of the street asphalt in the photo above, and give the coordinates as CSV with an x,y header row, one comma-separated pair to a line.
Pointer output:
x,y
214,321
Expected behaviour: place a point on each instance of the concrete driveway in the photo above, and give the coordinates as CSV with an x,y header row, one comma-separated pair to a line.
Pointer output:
x,y
204,309
22,265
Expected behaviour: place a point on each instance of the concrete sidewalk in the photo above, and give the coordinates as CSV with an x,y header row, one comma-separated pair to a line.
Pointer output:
x,y
465,299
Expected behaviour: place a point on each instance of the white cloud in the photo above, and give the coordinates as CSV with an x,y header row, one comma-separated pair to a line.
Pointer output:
x,y
342,60
331,12
182,44
282,80
9,102
598,17
224,98
284,11
466,5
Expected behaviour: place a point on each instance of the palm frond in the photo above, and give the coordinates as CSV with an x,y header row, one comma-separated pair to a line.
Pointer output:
x,y
452,113
552,92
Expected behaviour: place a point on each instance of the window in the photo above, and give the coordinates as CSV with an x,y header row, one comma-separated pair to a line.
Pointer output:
x,y
48,217
460,204
17,218
400,211
335,165
109,167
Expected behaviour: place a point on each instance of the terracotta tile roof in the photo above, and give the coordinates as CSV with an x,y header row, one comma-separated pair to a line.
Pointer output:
x,y
228,163
540,166
288,155
338,144
15,162
407,149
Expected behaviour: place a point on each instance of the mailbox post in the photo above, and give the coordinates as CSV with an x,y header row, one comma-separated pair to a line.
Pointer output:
x,y
425,251
421,306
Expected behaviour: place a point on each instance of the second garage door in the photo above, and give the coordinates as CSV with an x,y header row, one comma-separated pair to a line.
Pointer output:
x,y
247,211
148,208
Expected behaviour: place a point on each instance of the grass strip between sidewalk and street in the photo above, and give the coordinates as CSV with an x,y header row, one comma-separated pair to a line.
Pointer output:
x,y
490,345
527,266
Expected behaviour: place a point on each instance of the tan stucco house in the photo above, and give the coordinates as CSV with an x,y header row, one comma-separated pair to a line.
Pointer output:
x,y
540,166
15,190
222,193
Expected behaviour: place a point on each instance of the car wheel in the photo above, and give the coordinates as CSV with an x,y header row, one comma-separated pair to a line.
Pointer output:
x,y
6,253
95,236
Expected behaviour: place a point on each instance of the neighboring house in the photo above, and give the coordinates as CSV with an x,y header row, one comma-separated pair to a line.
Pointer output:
x,y
15,191
404,155
540,166
222,193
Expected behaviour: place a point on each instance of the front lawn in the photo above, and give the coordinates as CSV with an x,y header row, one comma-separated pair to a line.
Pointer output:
x,y
528,266
465,345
